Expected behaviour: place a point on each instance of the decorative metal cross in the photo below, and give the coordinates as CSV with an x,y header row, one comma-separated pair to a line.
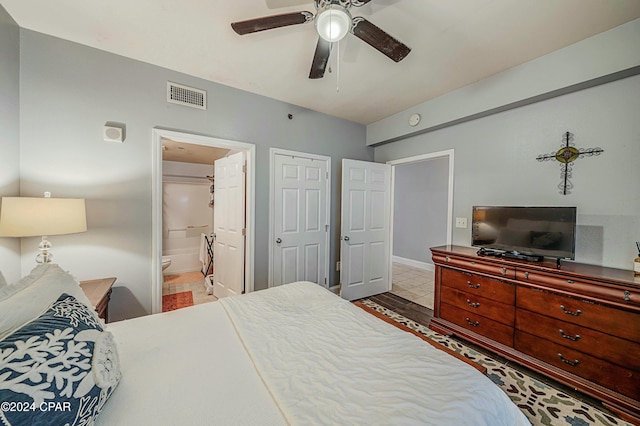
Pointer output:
x,y
566,155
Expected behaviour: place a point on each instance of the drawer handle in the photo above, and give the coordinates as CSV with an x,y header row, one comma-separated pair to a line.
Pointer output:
x,y
474,323
570,281
504,271
566,336
473,285
446,259
575,314
473,305
566,361
526,275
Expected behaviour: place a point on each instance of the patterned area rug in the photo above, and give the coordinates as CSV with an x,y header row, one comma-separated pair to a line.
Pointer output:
x,y
171,302
542,404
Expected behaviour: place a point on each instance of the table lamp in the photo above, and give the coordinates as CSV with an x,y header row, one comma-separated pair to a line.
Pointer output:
x,y
31,217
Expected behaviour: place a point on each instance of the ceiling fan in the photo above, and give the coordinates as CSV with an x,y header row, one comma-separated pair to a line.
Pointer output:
x,y
332,21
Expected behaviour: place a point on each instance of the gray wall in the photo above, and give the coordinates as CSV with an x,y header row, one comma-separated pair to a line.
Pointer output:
x,y
582,64
420,208
9,134
69,91
495,164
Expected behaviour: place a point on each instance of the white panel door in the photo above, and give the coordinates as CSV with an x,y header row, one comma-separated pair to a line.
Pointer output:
x,y
365,234
228,222
300,220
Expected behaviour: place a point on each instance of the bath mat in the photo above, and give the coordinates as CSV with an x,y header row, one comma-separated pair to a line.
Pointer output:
x,y
171,302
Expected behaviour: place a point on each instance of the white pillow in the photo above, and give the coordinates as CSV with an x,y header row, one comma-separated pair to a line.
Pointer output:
x,y
31,296
3,282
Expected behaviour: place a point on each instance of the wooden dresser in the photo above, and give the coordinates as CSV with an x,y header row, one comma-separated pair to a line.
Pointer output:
x,y
579,324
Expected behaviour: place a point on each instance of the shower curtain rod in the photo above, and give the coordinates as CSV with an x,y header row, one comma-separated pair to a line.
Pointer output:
x,y
189,177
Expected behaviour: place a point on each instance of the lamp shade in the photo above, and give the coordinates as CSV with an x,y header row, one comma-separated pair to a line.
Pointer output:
x,y
31,217
333,23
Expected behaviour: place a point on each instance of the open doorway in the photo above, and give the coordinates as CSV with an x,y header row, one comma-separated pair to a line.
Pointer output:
x,y
186,162
422,188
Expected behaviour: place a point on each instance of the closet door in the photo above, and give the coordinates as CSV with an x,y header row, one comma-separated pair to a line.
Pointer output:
x,y
300,225
229,225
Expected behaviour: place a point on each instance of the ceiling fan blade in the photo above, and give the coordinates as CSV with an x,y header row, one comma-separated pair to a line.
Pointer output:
x,y
271,22
320,59
358,3
380,40
276,4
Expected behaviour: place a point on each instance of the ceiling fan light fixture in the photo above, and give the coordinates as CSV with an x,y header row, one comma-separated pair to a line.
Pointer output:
x,y
333,22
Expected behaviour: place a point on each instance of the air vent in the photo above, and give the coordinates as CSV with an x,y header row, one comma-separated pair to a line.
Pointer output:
x,y
187,96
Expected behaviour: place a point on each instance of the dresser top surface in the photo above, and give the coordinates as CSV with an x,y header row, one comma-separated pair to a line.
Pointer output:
x,y
603,273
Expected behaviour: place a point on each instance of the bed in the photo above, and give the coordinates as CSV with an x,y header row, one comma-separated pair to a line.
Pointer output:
x,y
295,354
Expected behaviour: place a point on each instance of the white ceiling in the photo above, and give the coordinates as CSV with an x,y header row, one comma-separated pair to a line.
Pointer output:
x,y
454,43
191,153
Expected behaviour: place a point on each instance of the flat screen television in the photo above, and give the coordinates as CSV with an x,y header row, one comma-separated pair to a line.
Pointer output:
x,y
527,232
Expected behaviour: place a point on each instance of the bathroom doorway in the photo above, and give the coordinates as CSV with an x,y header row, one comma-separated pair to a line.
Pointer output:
x,y
183,212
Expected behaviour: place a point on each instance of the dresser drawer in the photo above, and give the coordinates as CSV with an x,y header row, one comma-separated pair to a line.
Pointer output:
x,y
609,348
617,322
479,286
478,324
619,379
491,268
478,305
594,289
547,279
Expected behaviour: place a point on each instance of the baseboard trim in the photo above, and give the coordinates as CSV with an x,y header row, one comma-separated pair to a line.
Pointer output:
x,y
414,263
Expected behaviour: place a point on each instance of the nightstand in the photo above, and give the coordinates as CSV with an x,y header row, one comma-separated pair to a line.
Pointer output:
x,y
99,293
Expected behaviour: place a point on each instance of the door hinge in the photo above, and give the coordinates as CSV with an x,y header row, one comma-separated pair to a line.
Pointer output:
x,y
244,232
244,168
325,281
327,174
326,228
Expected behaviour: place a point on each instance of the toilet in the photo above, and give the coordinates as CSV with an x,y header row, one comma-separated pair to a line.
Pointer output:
x,y
166,262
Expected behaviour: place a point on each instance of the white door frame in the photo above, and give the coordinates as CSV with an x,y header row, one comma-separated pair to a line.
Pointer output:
x,y
156,204
449,153
272,154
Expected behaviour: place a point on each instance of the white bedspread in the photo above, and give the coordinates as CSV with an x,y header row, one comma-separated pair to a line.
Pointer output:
x,y
294,354
327,361
186,367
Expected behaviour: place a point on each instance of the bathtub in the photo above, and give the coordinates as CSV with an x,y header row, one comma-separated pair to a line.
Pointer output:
x,y
182,246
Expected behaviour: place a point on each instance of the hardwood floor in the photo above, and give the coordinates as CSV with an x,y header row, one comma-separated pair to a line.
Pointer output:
x,y
404,307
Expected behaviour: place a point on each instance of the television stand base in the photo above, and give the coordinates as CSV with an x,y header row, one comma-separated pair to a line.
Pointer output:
x,y
520,256
489,252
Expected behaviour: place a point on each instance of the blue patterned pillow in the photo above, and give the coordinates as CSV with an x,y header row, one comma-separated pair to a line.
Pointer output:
x,y
59,369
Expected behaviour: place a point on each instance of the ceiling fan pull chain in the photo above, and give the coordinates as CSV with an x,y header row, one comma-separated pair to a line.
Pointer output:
x,y
338,68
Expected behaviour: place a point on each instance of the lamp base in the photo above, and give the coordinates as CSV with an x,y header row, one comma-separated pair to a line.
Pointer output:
x,y
44,256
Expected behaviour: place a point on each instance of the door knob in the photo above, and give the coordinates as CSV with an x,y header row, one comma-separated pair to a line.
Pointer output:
x,y
346,238
278,241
